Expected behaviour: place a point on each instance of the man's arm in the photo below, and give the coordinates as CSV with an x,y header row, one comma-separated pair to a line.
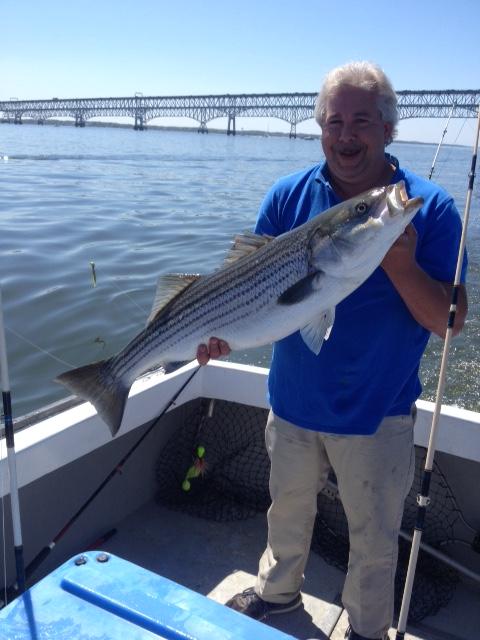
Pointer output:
x,y
427,299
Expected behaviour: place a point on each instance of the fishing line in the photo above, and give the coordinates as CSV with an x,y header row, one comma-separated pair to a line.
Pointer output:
x,y
36,346
460,130
94,274
49,353
125,293
52,356
45,552
57,358
440,143
444,163
423,497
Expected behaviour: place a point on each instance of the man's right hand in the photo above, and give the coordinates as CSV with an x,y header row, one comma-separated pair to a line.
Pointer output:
x,y
216,349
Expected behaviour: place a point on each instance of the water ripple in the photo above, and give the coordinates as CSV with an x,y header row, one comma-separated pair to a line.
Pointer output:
x,y
139,205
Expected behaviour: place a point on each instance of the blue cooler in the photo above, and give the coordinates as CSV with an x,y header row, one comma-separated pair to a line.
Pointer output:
x,y
98,596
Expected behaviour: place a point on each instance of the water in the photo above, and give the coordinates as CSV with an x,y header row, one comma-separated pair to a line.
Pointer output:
x,y
138,204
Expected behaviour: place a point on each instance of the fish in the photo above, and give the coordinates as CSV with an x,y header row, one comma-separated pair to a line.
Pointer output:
x,y
266,289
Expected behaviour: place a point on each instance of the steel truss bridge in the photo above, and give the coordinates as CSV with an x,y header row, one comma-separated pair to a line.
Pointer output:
x,y
293,108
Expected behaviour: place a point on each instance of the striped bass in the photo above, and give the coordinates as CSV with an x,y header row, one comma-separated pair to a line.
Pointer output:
x,y
267,289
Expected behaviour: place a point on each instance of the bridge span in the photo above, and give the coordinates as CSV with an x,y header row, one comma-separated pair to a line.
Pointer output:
x,y
293,108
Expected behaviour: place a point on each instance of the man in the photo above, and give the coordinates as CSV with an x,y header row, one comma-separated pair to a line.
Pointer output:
x,y
352,407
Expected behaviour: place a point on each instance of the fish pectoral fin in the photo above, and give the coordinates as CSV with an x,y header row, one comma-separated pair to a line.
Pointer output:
x,y
315,332
245,244
169,286
302,289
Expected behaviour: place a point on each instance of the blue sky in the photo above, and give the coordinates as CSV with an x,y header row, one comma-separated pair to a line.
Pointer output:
x,y
158,47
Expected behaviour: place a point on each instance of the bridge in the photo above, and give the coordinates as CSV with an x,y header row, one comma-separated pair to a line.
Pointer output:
x,y
293,108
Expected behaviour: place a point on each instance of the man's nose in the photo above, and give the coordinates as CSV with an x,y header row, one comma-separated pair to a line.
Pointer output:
x,y
347,132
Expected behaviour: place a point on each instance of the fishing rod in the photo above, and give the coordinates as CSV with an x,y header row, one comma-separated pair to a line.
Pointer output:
x,y
43,554
423,498
441,141
12,467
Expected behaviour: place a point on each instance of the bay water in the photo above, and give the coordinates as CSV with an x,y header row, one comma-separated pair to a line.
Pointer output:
x,y
90,217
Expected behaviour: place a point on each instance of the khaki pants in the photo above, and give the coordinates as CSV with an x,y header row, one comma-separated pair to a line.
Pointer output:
x,y
374,475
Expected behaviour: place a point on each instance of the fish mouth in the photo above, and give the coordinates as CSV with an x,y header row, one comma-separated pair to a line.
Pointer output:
x,y
398,201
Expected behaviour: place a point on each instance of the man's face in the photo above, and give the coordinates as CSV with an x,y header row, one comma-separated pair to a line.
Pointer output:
x,y
354,136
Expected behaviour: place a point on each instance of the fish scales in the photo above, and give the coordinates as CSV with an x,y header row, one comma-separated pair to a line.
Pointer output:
x,y
260,282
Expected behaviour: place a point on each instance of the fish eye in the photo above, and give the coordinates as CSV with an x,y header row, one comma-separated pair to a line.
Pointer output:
x,y
361,207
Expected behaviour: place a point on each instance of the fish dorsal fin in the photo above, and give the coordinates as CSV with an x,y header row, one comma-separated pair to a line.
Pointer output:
x,y
245,244
169,286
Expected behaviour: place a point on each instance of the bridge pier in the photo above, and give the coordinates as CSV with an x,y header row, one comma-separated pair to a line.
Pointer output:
x,y
231,125
79,120
202,128
139,122
293,130
17,119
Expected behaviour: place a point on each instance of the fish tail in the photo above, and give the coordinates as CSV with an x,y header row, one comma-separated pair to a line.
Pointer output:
x,y
96,384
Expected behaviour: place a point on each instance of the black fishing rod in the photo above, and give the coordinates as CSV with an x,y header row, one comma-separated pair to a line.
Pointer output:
x,y
43,554
12,467
423,498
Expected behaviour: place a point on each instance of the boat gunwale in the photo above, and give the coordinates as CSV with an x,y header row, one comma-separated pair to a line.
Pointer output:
x,y
71,428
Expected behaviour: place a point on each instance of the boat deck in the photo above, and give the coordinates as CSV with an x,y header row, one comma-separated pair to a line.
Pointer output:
x,y
219,559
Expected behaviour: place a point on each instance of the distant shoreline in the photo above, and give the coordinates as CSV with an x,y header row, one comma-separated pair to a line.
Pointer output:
x,y
238,132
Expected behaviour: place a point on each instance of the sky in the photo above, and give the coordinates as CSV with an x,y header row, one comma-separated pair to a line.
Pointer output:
x,y
54,48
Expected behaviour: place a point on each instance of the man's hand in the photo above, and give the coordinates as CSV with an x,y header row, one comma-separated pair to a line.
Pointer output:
x,y
401,255
428,300
216,349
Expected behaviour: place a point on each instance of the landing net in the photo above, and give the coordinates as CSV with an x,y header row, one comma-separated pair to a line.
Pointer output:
x,y
217,468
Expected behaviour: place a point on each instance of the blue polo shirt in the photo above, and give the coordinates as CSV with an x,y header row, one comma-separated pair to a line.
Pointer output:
x,y
368,368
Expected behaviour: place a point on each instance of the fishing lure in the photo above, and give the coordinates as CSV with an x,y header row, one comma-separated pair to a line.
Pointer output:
x,y
197,469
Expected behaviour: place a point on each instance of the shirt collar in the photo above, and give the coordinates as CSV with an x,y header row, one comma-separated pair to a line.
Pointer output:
x,y
323,174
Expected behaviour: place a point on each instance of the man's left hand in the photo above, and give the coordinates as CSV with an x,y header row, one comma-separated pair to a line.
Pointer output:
x,y
401,255
427,299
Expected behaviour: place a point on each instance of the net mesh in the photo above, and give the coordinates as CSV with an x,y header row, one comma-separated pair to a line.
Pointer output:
x,y
216,467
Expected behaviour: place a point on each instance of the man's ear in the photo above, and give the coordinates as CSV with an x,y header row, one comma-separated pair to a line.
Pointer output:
x,y
387,131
